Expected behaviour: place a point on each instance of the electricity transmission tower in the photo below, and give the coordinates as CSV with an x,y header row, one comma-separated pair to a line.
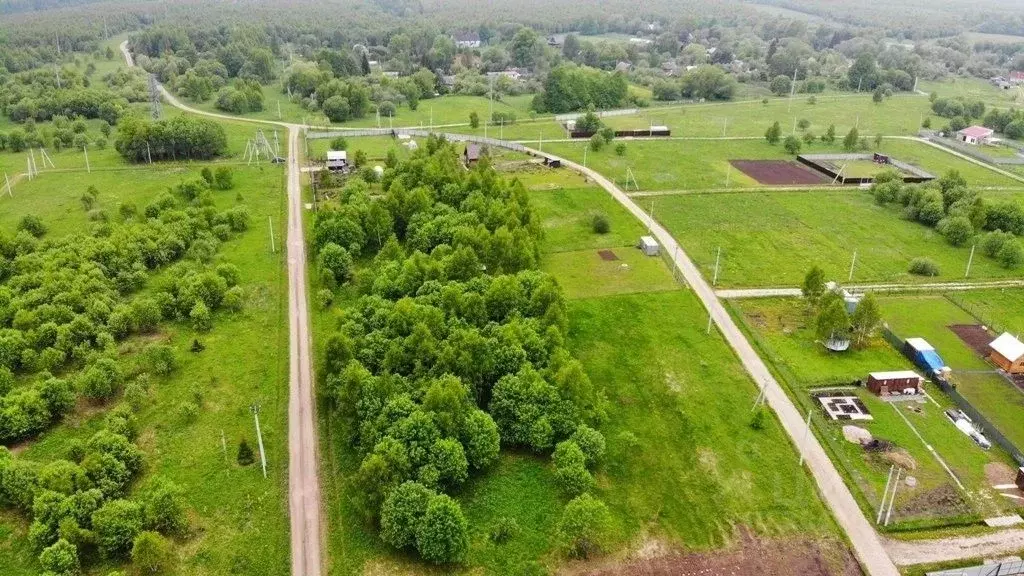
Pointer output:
x,y
154,97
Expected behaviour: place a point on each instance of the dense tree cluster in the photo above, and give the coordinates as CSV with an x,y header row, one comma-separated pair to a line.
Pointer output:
x,y
241,97
832,319
65,302
78,505
455,349
957,212
182,137
569,88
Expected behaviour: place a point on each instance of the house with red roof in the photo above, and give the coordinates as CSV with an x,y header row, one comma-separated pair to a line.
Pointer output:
x,y
975,135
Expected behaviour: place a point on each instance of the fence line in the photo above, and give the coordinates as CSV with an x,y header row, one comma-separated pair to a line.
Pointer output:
x,y
1009,568
975,152
451,137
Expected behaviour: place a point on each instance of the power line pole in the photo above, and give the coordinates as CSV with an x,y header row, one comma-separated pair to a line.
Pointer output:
x,y
8,182
270,222
224,446
852,264
892,497
255,408
803,443
149,156
718,259
970,260
885,494
85,151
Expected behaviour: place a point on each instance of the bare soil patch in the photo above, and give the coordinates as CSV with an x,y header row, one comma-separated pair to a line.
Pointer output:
x,y
607,255
778,172
974,335
750,555
942,501
997,473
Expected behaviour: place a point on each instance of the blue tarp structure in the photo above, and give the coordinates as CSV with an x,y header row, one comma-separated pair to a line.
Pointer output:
x,y
924,355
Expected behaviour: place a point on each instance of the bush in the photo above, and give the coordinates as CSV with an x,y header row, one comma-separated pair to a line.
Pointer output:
x,y
591,442
504,529
597,142
33,225
585,527
957,230
571,468
792,144
151,553
803,124
599,223
116,524
442,535
223,178
757,421
1011,255
60,559
923,267
402,511
620,149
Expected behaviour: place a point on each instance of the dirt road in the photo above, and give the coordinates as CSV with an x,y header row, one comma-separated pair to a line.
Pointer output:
x,y
993,545
303,481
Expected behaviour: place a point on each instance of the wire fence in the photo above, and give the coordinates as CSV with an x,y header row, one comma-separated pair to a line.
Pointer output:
x,y
450,136
1011,568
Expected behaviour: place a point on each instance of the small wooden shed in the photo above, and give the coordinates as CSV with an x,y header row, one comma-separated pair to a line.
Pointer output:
x,y
1008,353
899,381
471,155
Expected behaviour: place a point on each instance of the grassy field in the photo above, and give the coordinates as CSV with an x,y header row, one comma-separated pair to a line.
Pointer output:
x,y
566,216
685,465
929,318
900,115
973,88
783,330
584,274
703,164
1001,310
238,520
788,232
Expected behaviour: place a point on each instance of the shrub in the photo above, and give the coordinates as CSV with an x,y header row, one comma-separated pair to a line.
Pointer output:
x,y
402,511
33,225
792,144
1011,255
442,535
923,267
957,230
803,124
504,529
757,421
116,524
585,527
620,149
60,558
591,442
571,469
151,553
597,142
599,223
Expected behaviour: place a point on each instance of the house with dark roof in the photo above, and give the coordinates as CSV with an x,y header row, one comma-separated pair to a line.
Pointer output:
x,y
471,155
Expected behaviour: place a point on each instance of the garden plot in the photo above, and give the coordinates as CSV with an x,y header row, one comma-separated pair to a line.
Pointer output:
x,y
778,172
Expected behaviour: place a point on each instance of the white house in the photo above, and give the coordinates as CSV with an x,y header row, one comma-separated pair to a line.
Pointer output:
x,y
975,135
337,160
467,40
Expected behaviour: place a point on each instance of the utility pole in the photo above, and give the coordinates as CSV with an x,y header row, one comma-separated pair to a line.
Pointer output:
x,y
892,497
803,443
278,109
885,494
270,222
32,156
718,259
970,260
852,264
585,156
224,446
85,151
728,174
711,320
149,156
8,182
255,408
792,91
540,140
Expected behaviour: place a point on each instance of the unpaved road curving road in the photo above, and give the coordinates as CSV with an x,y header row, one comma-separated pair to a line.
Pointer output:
x,y
303,482
736,293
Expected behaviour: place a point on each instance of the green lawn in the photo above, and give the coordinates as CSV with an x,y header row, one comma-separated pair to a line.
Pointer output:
x,y
683,463
567,213
974,89
783,331
238,519
1001,310
584,274
929,318
773,238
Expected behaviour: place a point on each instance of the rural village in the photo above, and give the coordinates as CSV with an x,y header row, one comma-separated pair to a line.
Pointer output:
x,y
511,287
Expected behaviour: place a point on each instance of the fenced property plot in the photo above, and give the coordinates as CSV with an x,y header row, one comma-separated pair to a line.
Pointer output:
x,y
861,168
778,172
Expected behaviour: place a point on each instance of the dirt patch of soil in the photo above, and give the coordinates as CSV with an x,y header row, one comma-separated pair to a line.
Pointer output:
x,y
607,255
974,335
997,473
778,172
750,555
901,458
942,501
